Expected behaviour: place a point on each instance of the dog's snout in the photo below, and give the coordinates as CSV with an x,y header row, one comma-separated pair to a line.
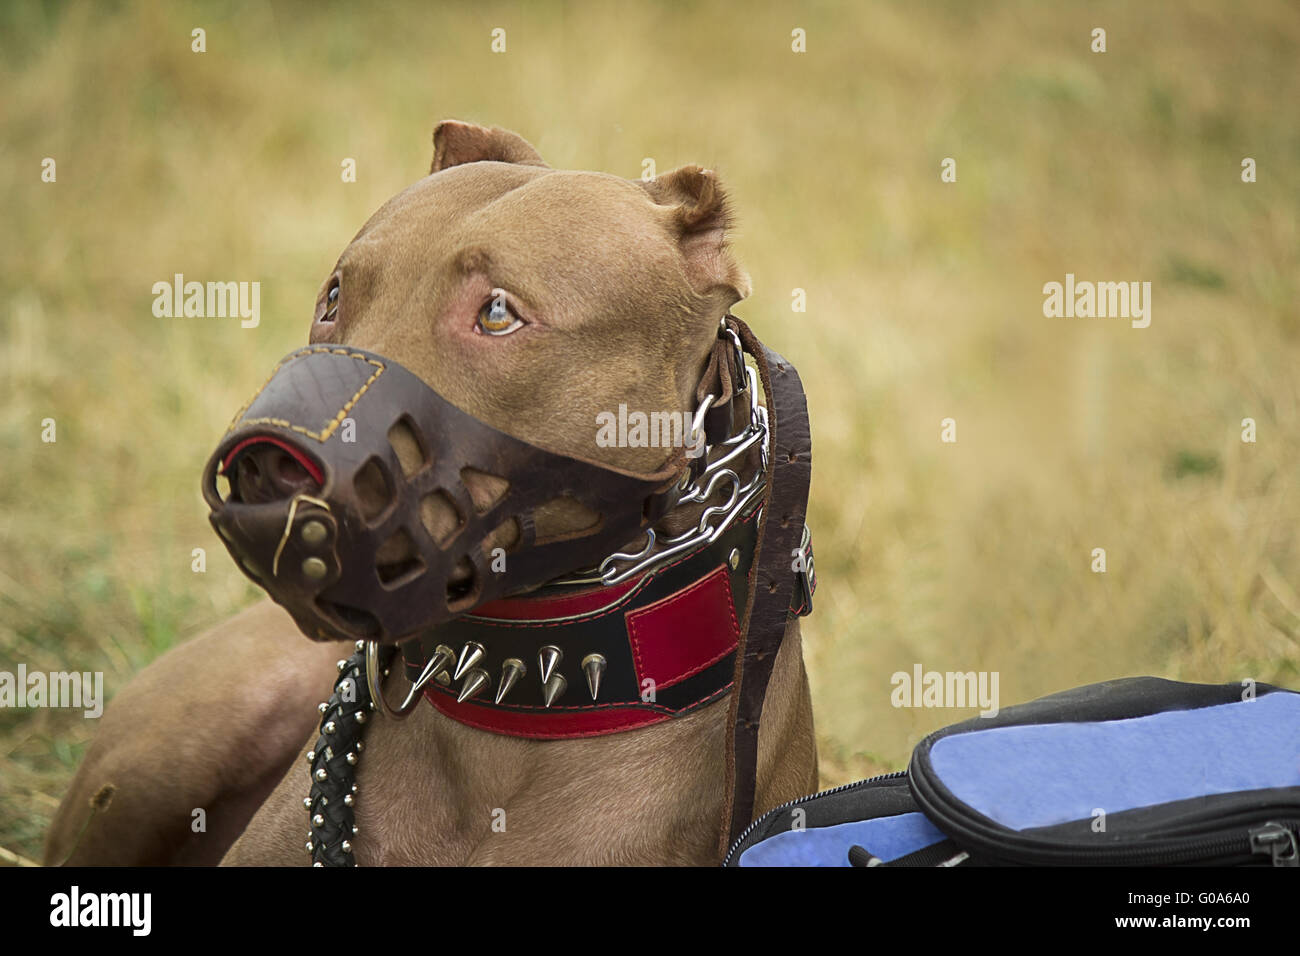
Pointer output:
x,y
263,471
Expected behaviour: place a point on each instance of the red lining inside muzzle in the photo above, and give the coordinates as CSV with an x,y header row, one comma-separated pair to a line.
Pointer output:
x,y
308,465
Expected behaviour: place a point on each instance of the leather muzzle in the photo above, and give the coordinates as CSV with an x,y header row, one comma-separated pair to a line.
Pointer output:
x,y
354,545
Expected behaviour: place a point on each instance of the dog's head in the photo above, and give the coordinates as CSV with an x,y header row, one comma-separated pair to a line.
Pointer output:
x,y
471,337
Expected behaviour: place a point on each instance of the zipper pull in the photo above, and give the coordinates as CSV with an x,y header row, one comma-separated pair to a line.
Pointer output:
x,y
1277,841
861,856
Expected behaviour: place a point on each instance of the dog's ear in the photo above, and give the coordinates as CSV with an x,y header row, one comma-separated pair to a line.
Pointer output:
x,y
455,143
701,216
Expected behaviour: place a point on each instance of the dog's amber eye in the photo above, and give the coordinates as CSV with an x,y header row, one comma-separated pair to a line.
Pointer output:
x,y
495,317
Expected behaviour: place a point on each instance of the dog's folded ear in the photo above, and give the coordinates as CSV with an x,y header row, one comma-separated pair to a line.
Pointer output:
x,y
701,216
455,143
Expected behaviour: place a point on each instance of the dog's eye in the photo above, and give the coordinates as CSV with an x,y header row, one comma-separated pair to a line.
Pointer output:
x,y
331,302
495,317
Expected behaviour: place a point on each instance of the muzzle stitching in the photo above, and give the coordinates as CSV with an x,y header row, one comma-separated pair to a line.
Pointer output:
x,y
337,420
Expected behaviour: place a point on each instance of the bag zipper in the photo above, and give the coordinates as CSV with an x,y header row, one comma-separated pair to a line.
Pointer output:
x,y
1239,842
794,803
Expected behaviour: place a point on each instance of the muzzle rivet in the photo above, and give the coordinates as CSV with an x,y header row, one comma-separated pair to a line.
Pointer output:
x,y
733,559
321,775
314,568
313,532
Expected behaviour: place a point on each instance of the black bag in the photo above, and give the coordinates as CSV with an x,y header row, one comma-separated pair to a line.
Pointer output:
x,y
1139,771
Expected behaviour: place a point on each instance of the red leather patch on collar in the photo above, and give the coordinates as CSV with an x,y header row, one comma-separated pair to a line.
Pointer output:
x,y
685,632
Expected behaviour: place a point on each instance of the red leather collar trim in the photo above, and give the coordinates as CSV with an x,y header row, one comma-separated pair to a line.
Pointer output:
x,y
535,608
552,724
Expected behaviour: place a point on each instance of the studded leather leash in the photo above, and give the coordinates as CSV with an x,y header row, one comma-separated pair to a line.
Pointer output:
x,y
780,587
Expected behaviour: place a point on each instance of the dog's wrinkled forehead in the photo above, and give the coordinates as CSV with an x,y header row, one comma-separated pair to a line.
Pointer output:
x,y
574,248
536,298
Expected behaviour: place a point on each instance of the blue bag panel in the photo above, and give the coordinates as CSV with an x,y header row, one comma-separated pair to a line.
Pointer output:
x,y
1037,775
886,837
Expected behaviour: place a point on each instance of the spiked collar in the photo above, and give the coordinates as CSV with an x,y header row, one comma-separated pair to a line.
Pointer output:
x,y
586,661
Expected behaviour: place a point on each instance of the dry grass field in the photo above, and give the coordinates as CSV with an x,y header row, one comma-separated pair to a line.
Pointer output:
x,y
924,302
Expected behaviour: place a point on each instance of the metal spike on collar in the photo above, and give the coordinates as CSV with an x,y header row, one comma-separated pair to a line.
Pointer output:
x,y
511,671
475,681
593,665
554,688
441,660
547,659
470,655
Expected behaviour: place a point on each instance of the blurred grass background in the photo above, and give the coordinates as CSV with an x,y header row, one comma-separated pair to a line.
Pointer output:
x,y
924,302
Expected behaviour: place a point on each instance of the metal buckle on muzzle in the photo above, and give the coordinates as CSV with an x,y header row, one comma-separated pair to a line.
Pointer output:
x,y
321,530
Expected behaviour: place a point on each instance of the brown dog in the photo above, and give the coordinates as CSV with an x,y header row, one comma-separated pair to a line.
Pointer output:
x,y
617,288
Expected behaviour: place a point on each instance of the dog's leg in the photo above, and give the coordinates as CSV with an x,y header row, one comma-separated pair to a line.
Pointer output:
x,y
787,744
211,725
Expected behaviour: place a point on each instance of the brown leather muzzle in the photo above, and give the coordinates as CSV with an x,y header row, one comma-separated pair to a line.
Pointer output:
x,y
322,514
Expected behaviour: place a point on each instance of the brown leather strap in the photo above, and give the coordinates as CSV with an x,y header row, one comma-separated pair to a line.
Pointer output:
x,y
779,537
723,381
